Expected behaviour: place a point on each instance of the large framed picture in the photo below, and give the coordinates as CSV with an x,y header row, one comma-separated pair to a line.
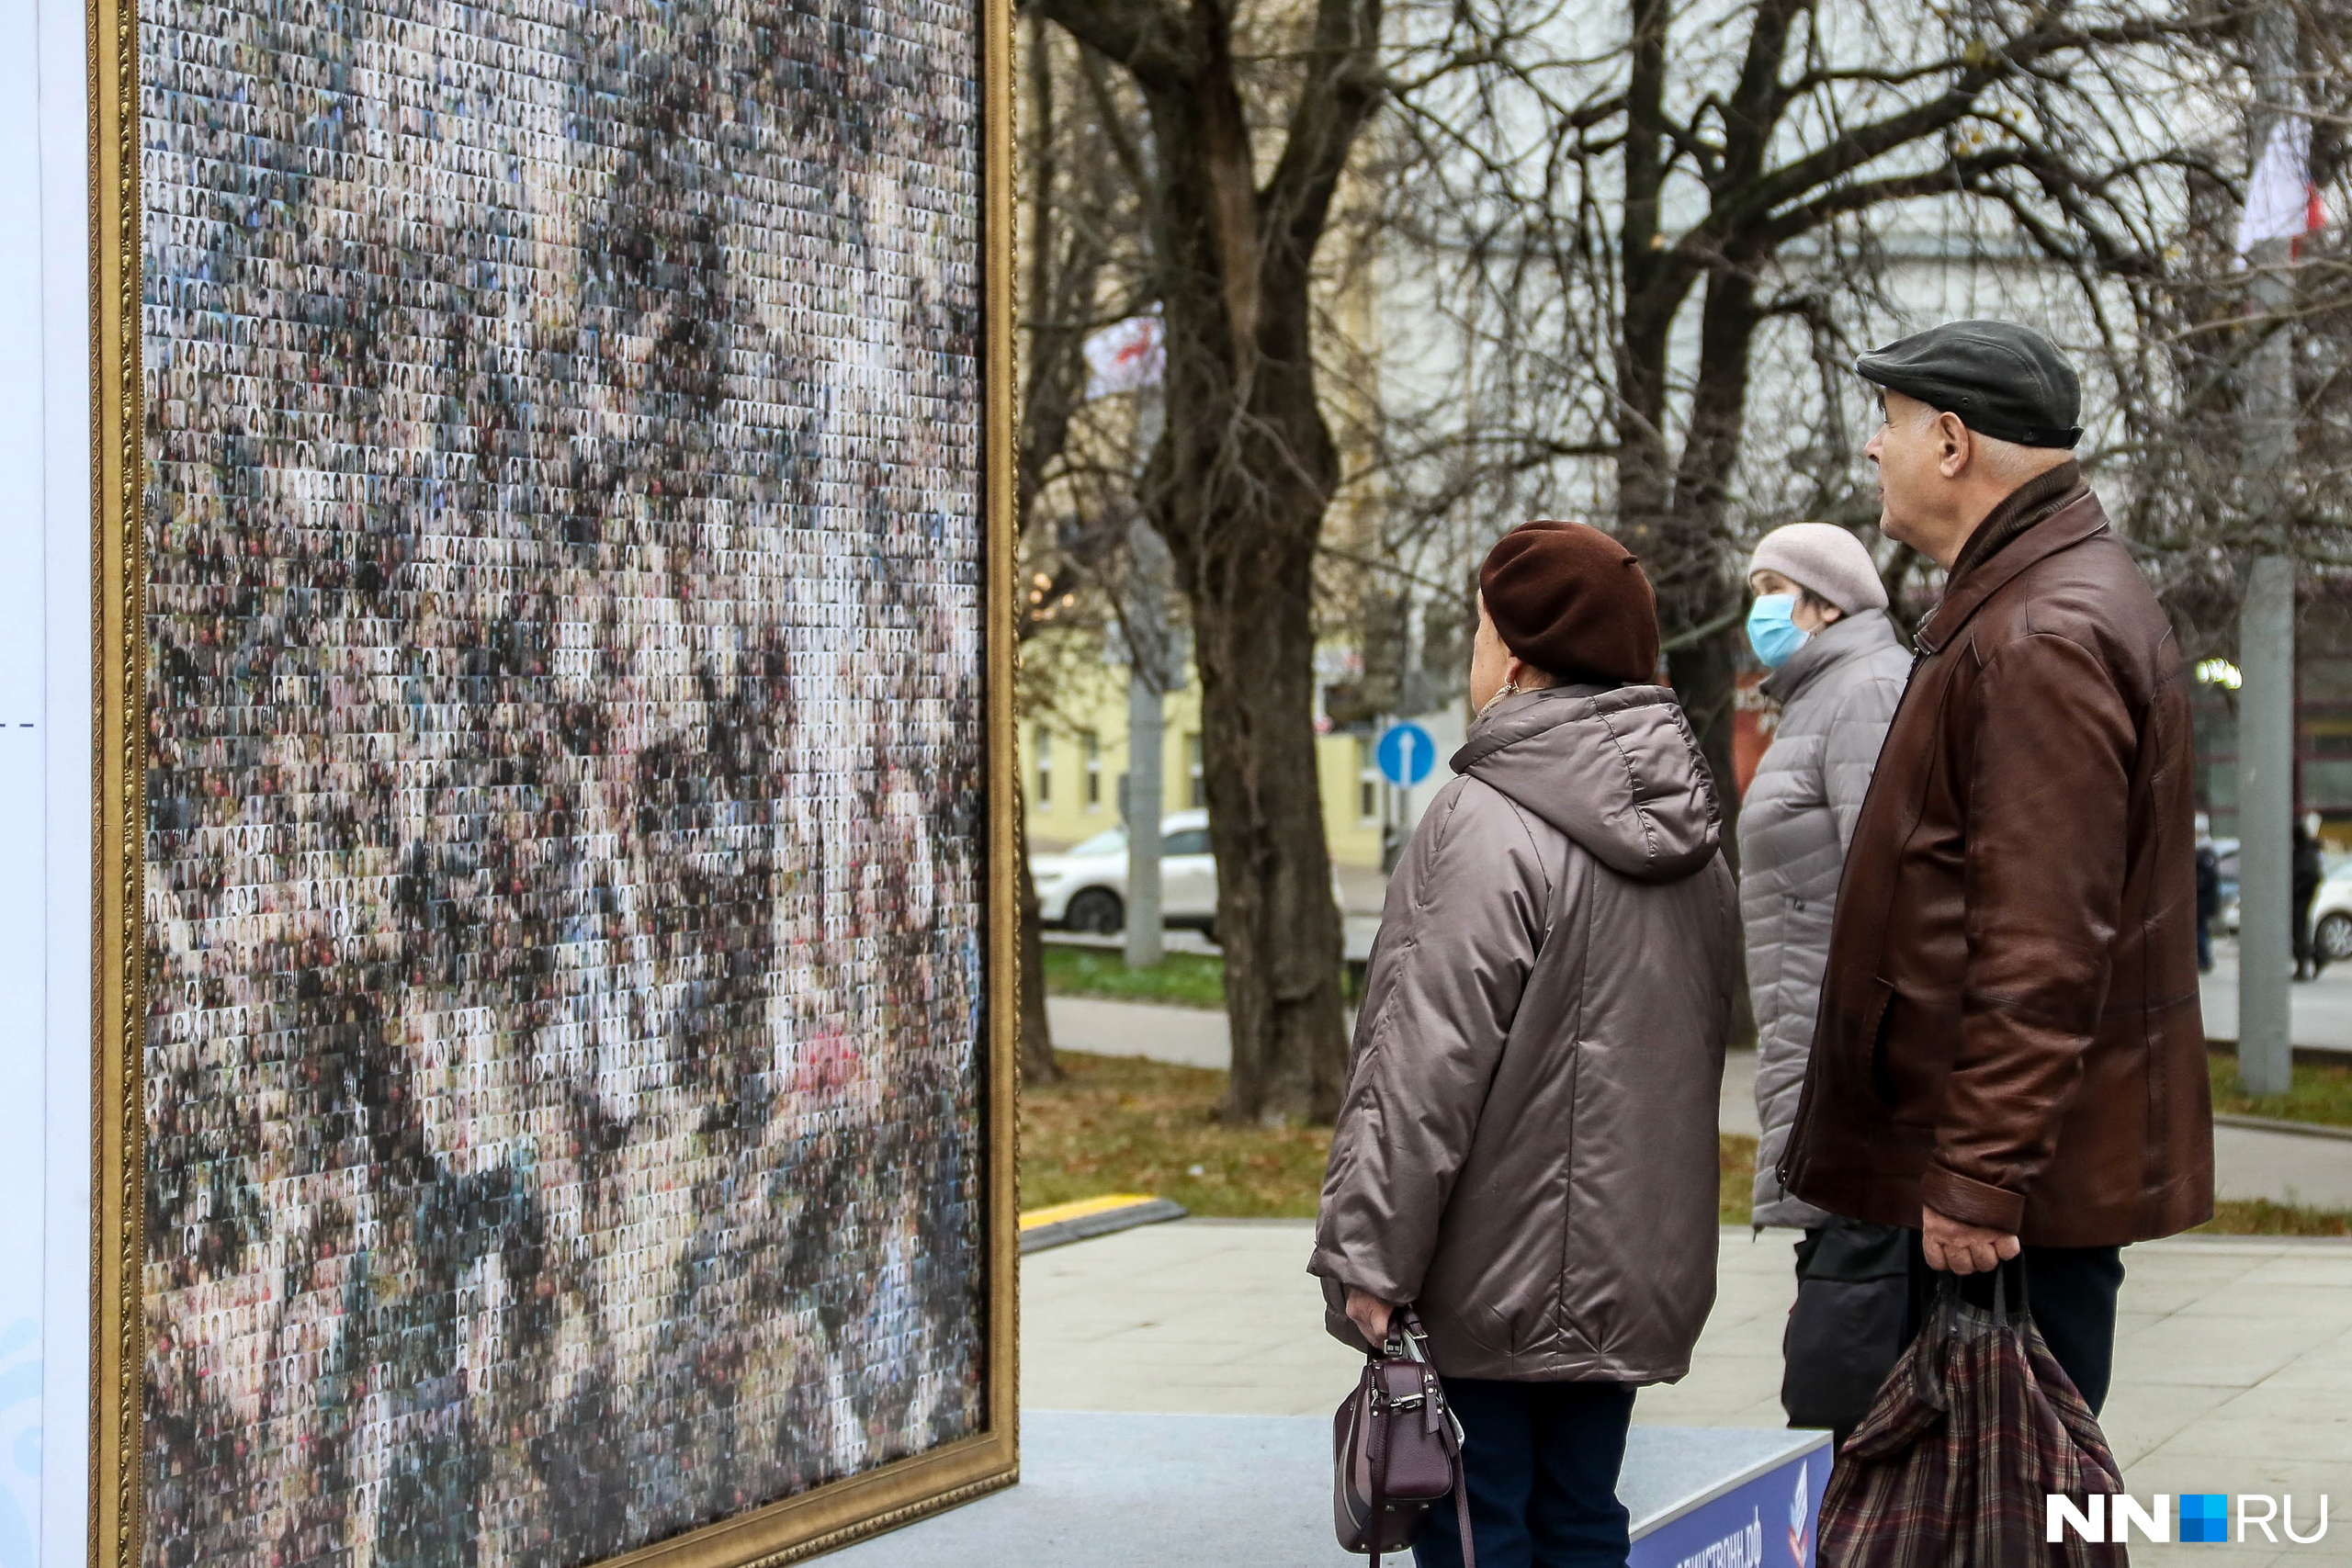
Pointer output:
x,y
504,674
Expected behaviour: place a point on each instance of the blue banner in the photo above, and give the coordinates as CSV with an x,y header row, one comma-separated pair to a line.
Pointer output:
x,y
1767,1522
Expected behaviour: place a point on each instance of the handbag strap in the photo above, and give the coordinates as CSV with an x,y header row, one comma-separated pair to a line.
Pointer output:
x,y
1415,1336
1377,1436
1462,1508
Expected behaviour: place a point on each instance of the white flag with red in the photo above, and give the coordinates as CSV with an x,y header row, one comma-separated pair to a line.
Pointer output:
x,y
1126,356
2282,202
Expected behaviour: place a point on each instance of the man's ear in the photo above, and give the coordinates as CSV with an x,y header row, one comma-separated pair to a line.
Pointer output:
x,y
1956,444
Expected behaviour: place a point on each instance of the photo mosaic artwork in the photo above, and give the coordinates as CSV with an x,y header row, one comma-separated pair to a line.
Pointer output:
x,y
565,809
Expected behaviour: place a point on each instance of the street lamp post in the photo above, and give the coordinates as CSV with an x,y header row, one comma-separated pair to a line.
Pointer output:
x,y
2267,620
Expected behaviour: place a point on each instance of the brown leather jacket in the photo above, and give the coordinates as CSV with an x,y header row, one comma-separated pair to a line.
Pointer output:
x,y
2009,1027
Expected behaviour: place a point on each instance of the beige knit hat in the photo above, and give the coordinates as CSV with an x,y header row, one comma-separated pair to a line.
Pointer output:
x,y
1825,559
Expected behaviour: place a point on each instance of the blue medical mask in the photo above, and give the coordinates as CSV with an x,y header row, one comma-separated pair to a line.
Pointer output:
x,y
1771,630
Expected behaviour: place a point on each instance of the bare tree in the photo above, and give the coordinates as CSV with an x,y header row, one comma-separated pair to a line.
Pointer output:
x,y
1081,242
1616,213
2199,319
1593,226
1246,141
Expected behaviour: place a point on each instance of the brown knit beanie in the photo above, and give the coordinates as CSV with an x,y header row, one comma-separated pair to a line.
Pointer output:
x,y
1572,602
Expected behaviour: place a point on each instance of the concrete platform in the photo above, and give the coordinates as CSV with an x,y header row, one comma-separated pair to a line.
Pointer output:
x,y
1146,1491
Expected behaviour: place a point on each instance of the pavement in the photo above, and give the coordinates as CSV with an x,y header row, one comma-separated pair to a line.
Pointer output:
x,y
1189,1037
2320,1011
2296,1169
2301,1169
2233,1355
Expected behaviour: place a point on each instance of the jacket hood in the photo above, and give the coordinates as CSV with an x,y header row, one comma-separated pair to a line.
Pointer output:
x,y
1618,770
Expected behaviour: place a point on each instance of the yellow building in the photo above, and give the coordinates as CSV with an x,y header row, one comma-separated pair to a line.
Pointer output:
x,y
1074,756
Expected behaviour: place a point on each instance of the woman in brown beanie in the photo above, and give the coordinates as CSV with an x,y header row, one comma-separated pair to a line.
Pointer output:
x,y
1527,1148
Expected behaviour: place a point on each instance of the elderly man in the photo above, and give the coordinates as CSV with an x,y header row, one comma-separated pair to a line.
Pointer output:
x,y
2010,1055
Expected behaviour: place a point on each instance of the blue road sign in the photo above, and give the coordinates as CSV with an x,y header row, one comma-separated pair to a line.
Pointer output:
x,y
1407,754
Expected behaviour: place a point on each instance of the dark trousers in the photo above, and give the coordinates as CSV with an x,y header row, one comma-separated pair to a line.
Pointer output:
x,y
2071,1293
1541,1461
2309,959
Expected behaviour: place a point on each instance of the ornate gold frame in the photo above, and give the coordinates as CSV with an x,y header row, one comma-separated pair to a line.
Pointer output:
x,y
782,1533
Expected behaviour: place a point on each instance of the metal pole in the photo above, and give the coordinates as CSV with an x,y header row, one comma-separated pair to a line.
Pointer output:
x,y
1146,725
1145,625
2267,624
2266,812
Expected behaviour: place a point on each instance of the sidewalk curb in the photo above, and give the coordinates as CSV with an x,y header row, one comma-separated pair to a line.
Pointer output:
x,y
2305,1055
1098,1222
2281,1125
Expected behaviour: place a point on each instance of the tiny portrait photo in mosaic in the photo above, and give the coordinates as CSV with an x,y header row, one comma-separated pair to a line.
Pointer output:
x,y
565,849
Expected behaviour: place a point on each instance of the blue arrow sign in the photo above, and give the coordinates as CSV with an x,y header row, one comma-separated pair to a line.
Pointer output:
x,y
1407,754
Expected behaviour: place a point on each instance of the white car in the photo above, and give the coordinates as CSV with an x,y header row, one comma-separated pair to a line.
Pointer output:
x,y
2332,917
1085,888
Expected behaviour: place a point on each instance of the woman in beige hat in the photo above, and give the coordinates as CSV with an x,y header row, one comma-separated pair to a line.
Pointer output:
x,y
1820,625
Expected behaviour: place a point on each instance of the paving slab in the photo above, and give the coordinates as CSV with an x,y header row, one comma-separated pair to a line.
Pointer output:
x,y
2319,1012
2233,1354
2321,1009
1197,1037
1187,1037
2249,1162
2286,1167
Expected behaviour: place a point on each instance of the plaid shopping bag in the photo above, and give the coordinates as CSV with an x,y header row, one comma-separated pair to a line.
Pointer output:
x,y
1970,1432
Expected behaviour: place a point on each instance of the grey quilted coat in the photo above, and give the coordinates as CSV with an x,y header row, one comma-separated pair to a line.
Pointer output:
x,y
1527,1143
1836,694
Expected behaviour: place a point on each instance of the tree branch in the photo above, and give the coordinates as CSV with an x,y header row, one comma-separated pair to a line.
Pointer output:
x,y
1343,86
1145,36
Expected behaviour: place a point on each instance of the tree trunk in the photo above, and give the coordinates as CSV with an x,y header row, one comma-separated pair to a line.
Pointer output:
x,y
1037,1063
1238,486
1680,533
1706,666
1240,495
1248,466
1704,674
1276,919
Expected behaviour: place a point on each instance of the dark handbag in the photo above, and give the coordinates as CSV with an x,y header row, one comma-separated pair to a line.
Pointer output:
x,y
1845,1333
1396,1449
1976,1425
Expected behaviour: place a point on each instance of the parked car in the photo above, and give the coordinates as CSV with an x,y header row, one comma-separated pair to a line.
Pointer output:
x,y
2332,915
1084,888
2331,908
2225,860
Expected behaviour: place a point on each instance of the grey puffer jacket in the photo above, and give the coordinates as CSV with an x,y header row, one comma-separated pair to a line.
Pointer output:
x,y
1836,694
1528,1144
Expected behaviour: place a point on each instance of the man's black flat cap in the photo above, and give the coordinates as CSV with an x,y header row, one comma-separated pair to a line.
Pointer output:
x,y
2004,381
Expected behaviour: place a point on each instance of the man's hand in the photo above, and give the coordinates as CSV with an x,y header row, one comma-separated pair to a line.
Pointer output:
x,y
1949,1245
1369,1314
